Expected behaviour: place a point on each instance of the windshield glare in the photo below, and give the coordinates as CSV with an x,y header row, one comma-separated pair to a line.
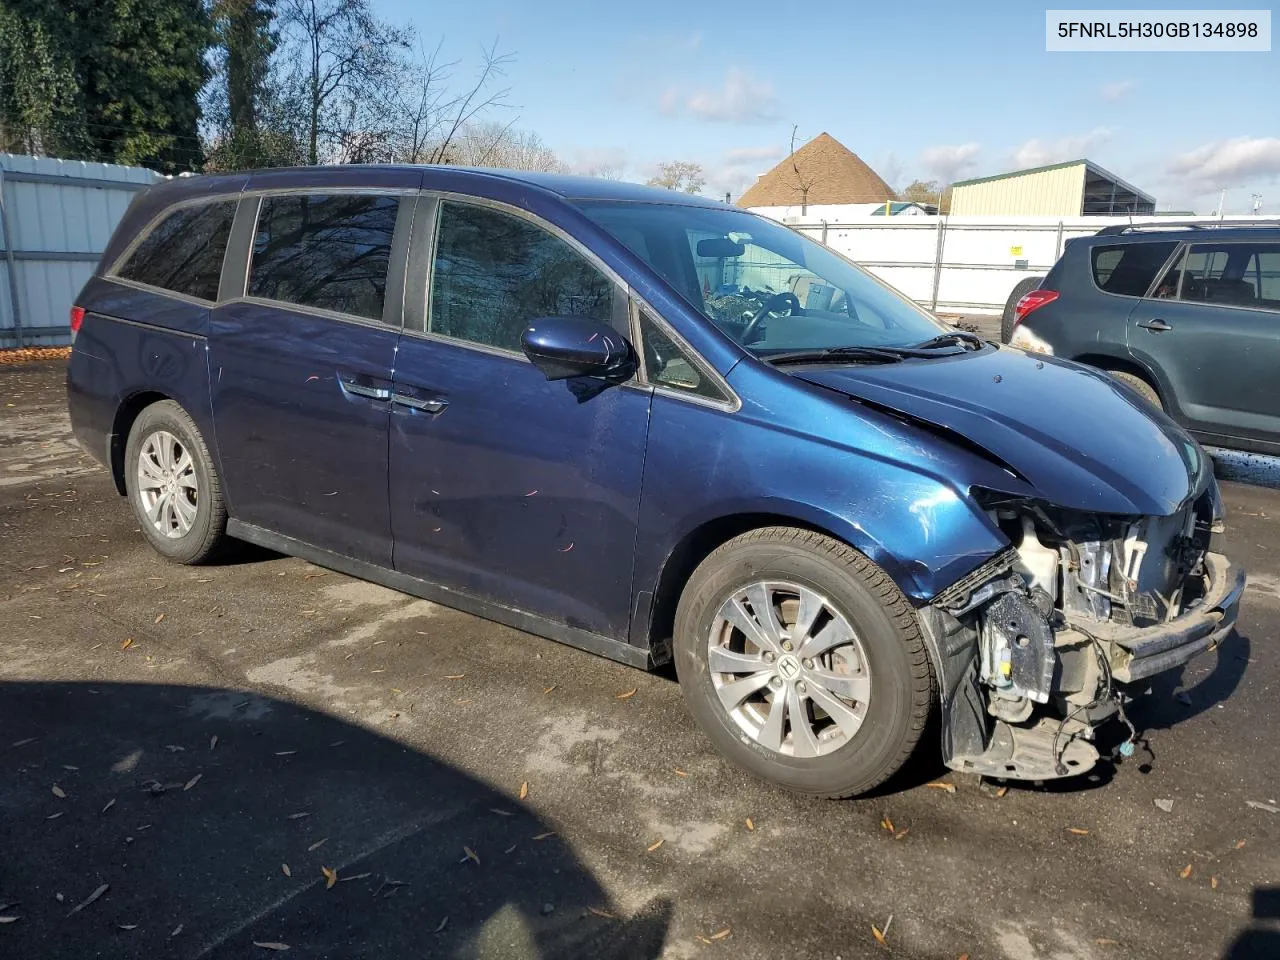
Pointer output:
x,y
766,286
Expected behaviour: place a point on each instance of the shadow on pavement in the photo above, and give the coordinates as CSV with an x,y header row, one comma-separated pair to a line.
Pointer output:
x,y
1257,942
125,785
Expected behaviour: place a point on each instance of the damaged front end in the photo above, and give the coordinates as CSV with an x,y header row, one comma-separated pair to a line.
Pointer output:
x,y
1037,645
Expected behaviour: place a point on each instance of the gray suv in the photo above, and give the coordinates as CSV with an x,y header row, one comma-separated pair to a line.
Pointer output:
x,y
1187,315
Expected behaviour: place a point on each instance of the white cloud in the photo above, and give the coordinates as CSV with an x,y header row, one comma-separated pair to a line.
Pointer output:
x,y
891,170
1228,163
1117,90
949,163
740,99
1039,153
738,169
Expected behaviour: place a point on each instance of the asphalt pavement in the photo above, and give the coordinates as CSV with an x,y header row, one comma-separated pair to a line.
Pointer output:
x,y
227,761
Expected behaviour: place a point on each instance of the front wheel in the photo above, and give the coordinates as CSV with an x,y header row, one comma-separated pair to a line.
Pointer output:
x,y
803,662
173,485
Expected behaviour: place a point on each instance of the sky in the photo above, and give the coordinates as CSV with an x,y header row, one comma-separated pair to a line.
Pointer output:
x,y
936,91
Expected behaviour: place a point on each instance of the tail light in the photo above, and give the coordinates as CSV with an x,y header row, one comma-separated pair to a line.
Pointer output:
x,y
1032,301
77,318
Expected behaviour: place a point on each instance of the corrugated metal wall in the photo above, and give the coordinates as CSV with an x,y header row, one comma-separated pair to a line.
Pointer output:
x,y
56,217
1056,192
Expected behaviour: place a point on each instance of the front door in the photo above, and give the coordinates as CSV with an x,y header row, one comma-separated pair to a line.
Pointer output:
x,y
505,486
1212,328
301,368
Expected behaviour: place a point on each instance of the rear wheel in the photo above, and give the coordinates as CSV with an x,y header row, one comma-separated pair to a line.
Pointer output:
x,y
173,486
803,662
1138,386
1022,288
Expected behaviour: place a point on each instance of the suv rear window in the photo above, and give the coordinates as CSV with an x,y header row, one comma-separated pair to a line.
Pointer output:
x,y
1127,269
184,252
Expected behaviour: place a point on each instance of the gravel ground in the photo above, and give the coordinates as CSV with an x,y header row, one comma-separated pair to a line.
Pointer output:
x,y
197,760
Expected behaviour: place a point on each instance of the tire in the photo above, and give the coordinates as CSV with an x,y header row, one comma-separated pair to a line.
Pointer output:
x,y
190,525
1020,290
884,673
1138,386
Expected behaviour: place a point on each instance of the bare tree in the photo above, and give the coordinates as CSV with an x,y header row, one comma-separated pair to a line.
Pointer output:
x,y
681,175
805,182
346,62
493,144
431,114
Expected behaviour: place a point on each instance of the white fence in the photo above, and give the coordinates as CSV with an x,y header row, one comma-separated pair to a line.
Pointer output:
x,y
962,264
56,217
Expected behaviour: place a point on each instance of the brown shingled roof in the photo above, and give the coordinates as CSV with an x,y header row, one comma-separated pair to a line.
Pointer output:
x,y
831,171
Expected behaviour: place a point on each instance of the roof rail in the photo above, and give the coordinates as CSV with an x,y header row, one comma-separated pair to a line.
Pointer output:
x,y
1117,229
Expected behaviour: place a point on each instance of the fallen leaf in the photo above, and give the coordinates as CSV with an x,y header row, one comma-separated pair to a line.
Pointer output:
x,y
317,845
1078,831
680,773
1259,805
312,576
501,813
549,689
471,855
92,897
544,836
875,931
1000,793
524,790
158,618
110,803
655,845
271,945
630,693
9,919
721,934
703,939
887,824
949,787
441,926
602,913
176,930
454,676
750,826
901,834
1213,883
330,877
23,743
54,816
213,741
284,868
510,848
297,816
59,792
128,926
1186,872
192,782
285,753
1239,844
126,643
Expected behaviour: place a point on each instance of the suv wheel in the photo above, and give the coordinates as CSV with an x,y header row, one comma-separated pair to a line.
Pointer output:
x,y
803,662
1139,386
173,486
1020,290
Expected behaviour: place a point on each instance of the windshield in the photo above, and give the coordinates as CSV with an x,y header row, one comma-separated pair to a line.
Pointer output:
x,y
769,288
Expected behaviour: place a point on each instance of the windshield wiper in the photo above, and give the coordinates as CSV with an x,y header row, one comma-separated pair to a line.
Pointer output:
x,y
951,338
872,354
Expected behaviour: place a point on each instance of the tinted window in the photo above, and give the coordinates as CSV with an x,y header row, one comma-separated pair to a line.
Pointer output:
x,y
670,366
327,251
184,252
495,272
1236,274
1128,269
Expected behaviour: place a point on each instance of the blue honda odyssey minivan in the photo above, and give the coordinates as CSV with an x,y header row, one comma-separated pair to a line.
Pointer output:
x,y
658,428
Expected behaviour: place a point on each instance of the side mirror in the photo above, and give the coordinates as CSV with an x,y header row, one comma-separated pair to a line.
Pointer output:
x,y
565,347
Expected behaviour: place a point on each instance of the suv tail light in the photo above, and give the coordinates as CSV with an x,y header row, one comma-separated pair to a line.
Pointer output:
x,y
1032,301
77,318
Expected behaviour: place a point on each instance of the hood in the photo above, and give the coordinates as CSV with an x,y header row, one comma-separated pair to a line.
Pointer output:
x,y
1081,440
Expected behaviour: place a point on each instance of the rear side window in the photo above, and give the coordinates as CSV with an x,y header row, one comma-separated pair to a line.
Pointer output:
x,y
495,272
329,251
1127,270
184,252
1236,274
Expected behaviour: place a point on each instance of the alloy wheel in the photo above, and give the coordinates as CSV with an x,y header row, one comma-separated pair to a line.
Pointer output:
x,y
168,488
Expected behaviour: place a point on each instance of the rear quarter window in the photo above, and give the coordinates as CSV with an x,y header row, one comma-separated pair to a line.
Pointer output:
x,y
1128,269
183,252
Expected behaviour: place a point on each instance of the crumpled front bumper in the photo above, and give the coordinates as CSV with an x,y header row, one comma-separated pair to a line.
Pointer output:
x,y
1141,652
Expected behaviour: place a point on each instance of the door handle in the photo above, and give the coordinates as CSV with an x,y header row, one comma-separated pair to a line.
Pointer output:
x,y
414,403
1159,326
364,390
